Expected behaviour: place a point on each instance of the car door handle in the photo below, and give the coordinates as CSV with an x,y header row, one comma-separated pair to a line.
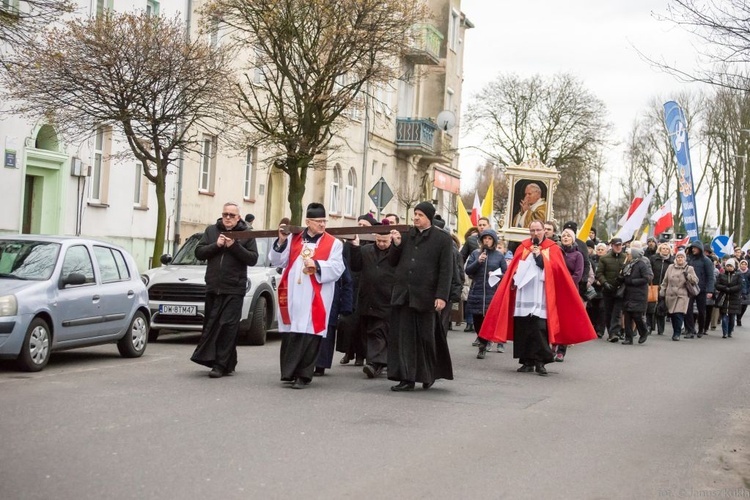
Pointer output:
x,y
130,294
95,298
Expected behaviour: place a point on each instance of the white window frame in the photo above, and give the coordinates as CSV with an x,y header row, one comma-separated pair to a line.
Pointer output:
x,y
251,167
137,192
100,166
207,165
454,27
335,190
152,7
349,192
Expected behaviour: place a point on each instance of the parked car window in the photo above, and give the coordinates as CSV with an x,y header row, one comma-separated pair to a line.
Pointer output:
x,y
121,264
28,260
78,260
186,254
108,268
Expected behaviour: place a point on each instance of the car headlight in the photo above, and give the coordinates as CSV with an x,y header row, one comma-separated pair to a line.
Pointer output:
x,y
8,305
145,279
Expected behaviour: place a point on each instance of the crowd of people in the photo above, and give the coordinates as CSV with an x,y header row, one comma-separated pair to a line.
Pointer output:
x,y
385,302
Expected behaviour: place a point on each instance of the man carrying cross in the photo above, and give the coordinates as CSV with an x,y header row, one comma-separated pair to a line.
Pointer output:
x,y
313,262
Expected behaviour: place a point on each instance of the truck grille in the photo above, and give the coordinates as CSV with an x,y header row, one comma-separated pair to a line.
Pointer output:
x,y
168,292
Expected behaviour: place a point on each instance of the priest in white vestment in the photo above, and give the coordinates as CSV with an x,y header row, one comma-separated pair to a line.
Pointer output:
x,y
312,262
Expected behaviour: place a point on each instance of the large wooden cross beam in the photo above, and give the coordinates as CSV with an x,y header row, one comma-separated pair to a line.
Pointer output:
x,y
340,232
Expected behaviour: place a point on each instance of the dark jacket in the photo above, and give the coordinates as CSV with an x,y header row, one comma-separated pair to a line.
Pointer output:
x,y
343,298
226,272
481,293
636,275
582,284
424,268
459,276
659,266
376,280
471,244
731,285
745,282
702,266
574,262
608,271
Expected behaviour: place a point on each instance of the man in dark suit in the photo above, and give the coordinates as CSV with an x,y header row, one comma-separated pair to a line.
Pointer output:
x,y
423,257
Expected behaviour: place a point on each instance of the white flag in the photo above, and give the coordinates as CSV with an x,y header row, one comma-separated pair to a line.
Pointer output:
x,y
634,222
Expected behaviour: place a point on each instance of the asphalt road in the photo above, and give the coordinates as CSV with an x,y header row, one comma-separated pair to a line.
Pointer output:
x,y
661,420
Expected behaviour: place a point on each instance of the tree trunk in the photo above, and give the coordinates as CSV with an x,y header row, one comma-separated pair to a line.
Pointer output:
x,y
161,218
295,172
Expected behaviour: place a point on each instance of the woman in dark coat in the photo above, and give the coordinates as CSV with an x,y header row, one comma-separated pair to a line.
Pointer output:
x,y
636,275
483,261
744,273
574,261
729,285
660,262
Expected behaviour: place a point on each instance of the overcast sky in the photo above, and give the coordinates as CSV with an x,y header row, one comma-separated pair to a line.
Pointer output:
x,y
592,39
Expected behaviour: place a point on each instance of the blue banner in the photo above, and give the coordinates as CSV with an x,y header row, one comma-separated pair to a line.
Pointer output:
x,y
678,136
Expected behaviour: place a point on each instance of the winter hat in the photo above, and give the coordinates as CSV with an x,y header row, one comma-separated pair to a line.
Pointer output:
x,y
681,252
572,226
636,253
369,218
569,231
426,208
590,243
731,262
315,211
438,221
488,232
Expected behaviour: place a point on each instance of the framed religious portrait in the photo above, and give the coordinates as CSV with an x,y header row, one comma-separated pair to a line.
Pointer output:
x,y
532,187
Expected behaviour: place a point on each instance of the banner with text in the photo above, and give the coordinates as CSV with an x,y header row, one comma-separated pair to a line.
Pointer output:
x,y
678,136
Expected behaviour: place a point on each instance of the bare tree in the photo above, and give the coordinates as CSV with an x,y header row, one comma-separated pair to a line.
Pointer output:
x,y
21,21
557,118
310,63
134,72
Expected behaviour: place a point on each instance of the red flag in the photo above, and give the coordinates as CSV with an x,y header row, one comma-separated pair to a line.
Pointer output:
x,y
681,243
662,218
476,210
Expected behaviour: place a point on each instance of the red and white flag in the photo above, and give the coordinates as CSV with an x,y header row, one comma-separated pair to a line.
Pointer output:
x,y
639,195
681,243
662,218
633,224
476,210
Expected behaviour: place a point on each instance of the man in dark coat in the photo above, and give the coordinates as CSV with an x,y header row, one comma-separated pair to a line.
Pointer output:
x,y
343,304
704,269
729,286
457,281
418,348
374,302
226,281
608,277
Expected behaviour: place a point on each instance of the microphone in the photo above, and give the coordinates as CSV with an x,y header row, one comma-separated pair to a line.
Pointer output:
x,y
535,241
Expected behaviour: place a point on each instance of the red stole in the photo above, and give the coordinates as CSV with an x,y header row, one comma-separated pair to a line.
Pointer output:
x,y
567,320
322,252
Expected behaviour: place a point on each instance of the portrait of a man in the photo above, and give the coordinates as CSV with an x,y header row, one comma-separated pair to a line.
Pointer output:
x,y
530,202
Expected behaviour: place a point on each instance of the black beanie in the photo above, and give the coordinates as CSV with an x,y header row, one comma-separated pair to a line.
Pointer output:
x,y
315,211
571,225
369,218
426,208
438,222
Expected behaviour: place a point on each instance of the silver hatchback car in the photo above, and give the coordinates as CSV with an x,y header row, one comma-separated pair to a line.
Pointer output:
x,y
61,293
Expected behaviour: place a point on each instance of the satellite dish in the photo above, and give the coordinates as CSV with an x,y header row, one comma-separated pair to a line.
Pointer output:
x,y
446,120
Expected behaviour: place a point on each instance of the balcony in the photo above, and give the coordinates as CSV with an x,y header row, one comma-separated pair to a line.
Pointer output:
x,y
425,45
420,137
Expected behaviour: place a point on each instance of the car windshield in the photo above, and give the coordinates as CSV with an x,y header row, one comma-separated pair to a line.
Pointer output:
x,y
27,260
186,254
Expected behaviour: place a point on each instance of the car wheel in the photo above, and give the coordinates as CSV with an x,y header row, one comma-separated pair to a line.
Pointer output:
x,y
133,343
36,346
256,335
153,334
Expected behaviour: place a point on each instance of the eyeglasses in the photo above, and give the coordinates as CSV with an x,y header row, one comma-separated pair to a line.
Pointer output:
x,y
536,230
227,215
319,221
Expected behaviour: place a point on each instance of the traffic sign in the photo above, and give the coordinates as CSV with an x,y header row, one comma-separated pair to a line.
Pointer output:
x,y
381,194
718,244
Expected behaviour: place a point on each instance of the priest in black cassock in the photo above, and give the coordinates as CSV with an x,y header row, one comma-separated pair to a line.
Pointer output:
x,y
418,348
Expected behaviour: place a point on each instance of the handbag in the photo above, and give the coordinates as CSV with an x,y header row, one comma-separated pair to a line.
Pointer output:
x,y
692,289
653,293
590,293
720,300
620,293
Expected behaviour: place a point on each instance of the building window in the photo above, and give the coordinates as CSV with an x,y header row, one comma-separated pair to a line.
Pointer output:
x,y
152,8
103,5
335,184
454,25
213,32
208,165
140,189
251,166
9,7
100,165
349,191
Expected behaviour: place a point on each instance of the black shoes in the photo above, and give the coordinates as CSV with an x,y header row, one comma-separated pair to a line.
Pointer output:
x,y
345,360
427,385
540,369
526,369
675,338
216,373
690,336
613,338
372,371
359,361
469,328
642,339
319,372
627,341
476,342
299,383
481,353
403,386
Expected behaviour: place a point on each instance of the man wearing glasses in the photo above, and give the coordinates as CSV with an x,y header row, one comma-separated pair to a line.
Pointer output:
x,y
537,304
226,281
312,262
608,277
